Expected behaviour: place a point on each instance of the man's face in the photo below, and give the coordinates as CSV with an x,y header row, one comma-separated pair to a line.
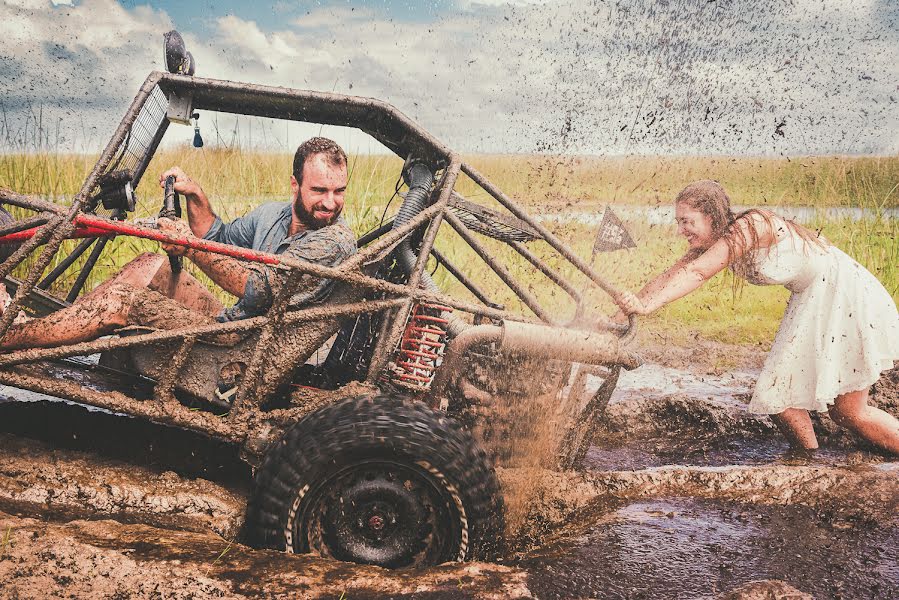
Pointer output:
x,y
318,200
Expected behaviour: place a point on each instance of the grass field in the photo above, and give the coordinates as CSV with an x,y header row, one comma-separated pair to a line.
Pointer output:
x,y
237,180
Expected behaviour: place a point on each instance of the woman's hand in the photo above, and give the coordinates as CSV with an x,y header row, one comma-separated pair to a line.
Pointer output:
x,y
631,305
174,227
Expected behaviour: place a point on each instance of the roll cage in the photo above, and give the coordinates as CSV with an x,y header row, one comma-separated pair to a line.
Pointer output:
x,y
385,295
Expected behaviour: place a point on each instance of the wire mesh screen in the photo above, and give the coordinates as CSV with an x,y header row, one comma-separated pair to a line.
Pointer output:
x,y
131,156
492,223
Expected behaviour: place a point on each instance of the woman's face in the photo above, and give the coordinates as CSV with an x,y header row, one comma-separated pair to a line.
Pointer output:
x,y
694,225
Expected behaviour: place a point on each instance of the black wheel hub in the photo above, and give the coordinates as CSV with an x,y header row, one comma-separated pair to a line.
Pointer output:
x,y
381,513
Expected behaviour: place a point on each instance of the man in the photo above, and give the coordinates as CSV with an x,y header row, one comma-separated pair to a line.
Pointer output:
x,y
146,292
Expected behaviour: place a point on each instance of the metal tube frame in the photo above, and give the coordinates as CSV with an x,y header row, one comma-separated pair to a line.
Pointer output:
x,y
380,120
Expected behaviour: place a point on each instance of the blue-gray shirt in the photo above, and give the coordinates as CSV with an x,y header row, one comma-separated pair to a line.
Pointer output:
x,y
266,229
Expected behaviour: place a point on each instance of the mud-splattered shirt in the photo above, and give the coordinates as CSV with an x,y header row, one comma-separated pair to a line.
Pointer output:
x,y
266,229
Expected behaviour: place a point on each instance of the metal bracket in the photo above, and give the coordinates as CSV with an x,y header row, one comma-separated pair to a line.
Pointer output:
x,y
180,108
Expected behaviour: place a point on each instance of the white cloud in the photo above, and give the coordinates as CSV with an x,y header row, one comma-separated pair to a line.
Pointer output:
x,y
590,77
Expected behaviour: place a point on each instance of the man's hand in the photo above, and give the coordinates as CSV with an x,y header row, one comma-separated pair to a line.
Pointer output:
x,y
174,227
199,212
183,184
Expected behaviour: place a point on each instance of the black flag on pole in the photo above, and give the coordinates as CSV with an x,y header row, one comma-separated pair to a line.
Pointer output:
x,y
612,235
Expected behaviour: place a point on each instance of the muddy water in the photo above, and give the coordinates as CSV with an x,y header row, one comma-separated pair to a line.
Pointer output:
x,y
648,518
698,549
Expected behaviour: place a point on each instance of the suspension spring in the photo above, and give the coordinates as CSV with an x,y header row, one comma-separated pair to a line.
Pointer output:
x,y
421,347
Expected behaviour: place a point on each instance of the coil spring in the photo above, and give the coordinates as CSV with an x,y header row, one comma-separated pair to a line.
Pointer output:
x,y
422,345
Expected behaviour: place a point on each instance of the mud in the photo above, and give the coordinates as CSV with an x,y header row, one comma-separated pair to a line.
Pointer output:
x,y
704,549
683,494
108,559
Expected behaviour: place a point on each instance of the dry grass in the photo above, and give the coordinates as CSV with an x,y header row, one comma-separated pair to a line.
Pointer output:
x,y
238,180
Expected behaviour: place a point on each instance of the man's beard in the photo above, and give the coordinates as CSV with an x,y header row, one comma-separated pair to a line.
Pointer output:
x,y
308,220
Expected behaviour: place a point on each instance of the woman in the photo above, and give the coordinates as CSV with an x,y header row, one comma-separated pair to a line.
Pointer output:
x,y
840,330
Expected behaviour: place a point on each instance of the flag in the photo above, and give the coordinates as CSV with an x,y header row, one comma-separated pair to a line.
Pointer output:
x,y
612,235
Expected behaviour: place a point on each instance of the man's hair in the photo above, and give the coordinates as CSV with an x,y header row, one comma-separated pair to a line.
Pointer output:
x,y
334,154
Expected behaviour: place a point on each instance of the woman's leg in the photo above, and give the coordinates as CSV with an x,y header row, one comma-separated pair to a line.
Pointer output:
x,y
796,425
878,427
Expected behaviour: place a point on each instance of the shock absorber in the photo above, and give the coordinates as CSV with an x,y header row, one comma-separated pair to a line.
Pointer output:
x,y
421,347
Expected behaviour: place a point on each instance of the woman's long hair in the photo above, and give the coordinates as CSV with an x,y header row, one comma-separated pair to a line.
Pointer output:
x,y
709,198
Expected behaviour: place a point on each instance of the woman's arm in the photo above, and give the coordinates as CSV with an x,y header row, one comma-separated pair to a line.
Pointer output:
x,y
686,277
654,285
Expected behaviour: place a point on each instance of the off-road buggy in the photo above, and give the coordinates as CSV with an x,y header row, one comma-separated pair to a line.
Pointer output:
x,y
381,453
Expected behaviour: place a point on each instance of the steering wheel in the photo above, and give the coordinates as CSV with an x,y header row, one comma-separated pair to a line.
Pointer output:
x,y
171,209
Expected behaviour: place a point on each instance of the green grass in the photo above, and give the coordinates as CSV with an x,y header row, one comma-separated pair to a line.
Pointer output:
x,y
238,180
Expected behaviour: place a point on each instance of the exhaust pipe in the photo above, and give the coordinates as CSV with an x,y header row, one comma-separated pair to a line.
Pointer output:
x,y
538,341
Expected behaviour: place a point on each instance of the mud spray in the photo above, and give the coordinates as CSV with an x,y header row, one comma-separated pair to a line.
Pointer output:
x,y
515,411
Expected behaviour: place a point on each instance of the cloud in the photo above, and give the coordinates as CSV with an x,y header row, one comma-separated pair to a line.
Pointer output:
x,y
811,76
74,67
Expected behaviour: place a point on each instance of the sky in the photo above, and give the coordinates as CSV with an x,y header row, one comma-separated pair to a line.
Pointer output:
x,y
599,77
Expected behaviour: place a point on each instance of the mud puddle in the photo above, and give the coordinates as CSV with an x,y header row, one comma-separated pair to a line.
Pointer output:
x,y
685,495
661,380
700,548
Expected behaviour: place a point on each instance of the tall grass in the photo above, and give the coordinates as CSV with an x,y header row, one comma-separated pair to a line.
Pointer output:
x,y
809,181
237,180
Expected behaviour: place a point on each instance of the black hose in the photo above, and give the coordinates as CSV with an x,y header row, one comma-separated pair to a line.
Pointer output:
x,y
420,180
171,209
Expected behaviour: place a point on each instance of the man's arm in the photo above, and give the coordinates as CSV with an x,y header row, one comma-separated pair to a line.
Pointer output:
x,y
200,215
226,272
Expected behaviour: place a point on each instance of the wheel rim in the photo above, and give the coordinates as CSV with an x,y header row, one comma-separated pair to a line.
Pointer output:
x,y
380,512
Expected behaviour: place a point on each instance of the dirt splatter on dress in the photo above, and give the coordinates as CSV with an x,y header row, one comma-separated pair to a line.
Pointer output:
x,y
840,329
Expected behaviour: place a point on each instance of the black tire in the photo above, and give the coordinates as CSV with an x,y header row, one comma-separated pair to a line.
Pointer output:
x,y
377,481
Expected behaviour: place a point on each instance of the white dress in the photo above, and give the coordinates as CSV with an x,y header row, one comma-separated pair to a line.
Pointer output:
x,y
839,332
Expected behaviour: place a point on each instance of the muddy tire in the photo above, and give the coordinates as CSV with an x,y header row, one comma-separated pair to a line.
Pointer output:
x,y
377,481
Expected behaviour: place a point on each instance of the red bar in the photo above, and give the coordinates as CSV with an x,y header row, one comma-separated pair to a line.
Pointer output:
x,y
93,226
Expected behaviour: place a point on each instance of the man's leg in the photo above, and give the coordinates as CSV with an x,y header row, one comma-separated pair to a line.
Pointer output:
x,y
92,316
107,307
154,272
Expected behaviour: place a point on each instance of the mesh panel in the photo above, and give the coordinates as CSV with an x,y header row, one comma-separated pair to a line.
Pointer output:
x,y
137,143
